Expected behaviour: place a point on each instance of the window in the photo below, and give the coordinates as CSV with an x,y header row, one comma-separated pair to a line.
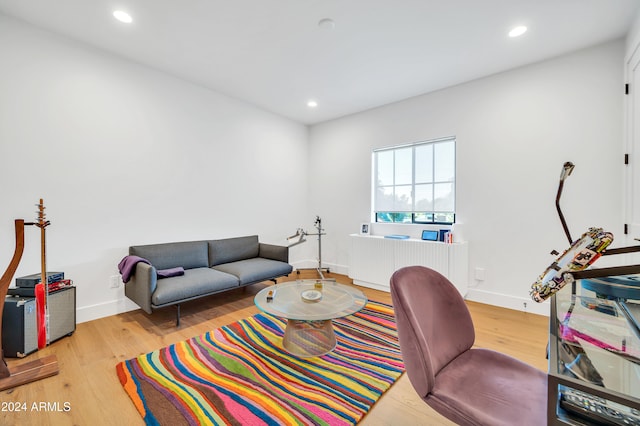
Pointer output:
x,y
415,183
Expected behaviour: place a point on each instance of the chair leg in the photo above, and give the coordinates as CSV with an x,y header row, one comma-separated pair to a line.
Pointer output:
x,y
178,315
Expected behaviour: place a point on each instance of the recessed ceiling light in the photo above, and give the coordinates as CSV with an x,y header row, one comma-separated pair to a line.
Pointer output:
x,y
518,31
327,24
312,104
123,16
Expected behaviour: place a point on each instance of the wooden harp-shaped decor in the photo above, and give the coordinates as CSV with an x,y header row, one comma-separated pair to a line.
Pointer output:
x,y
40,368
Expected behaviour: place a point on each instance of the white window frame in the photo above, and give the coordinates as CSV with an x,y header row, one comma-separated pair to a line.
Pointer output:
x,y
412,214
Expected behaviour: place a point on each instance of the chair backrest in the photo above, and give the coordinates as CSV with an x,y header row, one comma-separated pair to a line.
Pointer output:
x,y
434,324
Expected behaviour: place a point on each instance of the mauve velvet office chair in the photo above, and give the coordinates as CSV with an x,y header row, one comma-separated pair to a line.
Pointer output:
x,y
469,386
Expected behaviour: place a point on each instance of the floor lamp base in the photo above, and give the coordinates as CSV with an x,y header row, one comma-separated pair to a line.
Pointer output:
x,y
318,270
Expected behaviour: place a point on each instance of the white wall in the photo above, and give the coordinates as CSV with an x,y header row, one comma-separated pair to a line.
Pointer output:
x,y
631,134
633,36
514,131
125,155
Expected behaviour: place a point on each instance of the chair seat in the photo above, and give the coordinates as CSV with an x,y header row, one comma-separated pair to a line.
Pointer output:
x,y
484,387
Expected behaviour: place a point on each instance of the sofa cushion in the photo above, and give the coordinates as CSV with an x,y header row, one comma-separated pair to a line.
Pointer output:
x,y
255,270
233,249
189,255
193,283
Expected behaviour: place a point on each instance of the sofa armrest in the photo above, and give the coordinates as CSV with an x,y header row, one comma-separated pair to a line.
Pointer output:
x,y
273,252
142,285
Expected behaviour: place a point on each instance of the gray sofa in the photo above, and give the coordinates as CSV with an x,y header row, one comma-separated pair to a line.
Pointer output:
x,y
210,267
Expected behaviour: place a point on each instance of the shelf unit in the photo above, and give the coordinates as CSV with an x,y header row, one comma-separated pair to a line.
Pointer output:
x,y
593,349
373,259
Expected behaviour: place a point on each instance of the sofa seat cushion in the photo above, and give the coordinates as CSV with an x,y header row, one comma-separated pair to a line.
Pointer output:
x,y
194,282
255,270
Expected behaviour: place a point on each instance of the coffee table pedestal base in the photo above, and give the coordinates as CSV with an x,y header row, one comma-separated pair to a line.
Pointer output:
x,y
309,338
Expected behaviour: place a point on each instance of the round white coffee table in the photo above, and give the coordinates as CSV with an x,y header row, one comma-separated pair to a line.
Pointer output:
x,y
309,306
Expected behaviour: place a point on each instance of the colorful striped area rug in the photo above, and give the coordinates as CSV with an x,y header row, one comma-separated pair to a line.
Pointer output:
x,y
240,374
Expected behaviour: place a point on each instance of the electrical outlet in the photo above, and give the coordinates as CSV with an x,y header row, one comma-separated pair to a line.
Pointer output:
x,y
114,281
479,274
524,306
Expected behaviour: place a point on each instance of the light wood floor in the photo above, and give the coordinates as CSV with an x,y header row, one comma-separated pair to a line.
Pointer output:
x,y
88,387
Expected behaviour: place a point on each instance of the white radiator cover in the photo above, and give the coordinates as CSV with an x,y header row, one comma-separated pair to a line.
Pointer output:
x,y
373,259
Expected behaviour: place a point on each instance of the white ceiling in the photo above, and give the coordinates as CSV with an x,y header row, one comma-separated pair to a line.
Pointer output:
x,y
273,54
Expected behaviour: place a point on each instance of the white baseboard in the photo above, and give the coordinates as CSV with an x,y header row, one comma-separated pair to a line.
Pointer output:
x,y
313,264
524,304
114,307
372,285
106,309
119,306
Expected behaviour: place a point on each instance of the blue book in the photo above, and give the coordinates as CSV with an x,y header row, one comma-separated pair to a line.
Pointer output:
x,y
397,237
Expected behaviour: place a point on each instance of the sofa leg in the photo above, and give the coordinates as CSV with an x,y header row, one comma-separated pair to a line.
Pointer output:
x,y
178,315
